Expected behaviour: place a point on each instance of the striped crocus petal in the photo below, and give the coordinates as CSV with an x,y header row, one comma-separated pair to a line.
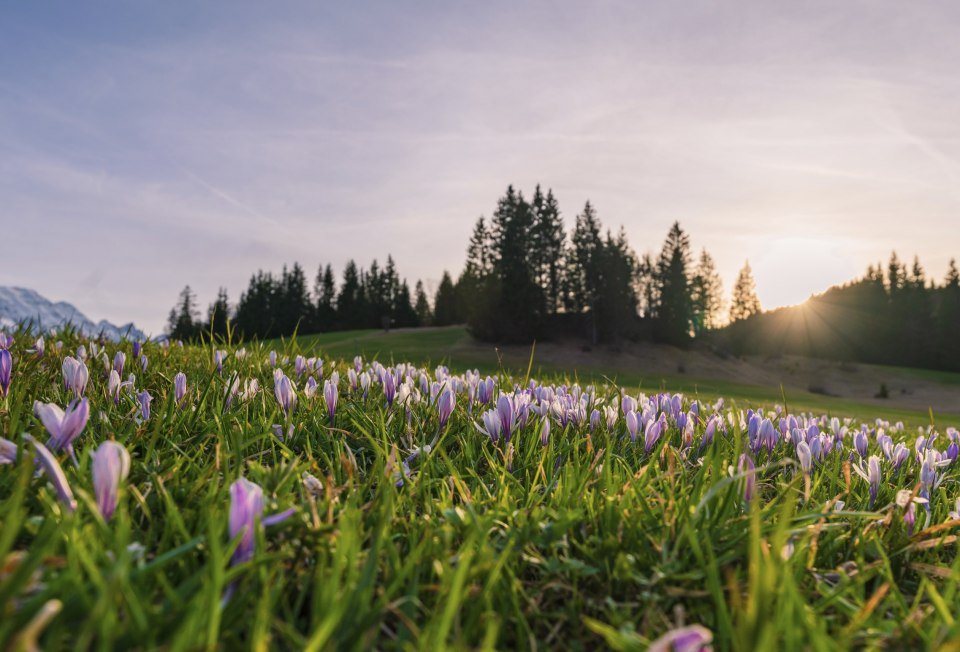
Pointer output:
x,y
6,367
51,467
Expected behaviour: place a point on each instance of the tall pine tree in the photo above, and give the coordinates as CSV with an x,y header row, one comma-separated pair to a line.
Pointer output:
x,y
744,302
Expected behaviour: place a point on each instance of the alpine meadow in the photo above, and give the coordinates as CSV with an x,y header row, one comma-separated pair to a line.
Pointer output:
x,y
480,326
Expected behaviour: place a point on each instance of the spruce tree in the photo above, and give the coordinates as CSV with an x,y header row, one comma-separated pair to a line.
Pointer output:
x,y
445,304
182,322
675,302
404,315
707,295
218,315
325,289
423,310
745,302
350,304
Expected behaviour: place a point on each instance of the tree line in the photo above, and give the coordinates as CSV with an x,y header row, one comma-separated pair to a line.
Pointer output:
x,y
892,315
279,305
525,277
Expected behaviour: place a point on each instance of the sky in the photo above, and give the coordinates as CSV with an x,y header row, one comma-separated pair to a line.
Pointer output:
x,y
149,145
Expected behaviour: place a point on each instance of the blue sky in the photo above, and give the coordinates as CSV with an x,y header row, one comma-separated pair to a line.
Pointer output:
x,y
147,145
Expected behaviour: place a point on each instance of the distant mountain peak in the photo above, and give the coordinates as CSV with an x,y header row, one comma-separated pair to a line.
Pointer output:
x,y
18,305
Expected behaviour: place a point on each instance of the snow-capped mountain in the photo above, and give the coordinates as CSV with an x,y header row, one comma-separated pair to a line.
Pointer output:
x,y
19,305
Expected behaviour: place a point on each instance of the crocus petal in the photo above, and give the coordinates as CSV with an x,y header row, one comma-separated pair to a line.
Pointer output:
x,y
51,467
246,508
110,466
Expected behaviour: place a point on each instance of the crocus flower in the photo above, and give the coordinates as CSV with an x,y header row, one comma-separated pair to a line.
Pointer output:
x,y
110,466
144,363
8,451
485,390
767,436
144,398
330,395
633,424
218,358
651,434
746,466
709,431
694,638
445,405
286,393
75,375
491,425
506,415
63,426
6,341
595,417
113,386
6,367
39,346
310,387
51,467
179,388
389,388
118,361
136,348
805,457
273,358
246,515
545,431
871,475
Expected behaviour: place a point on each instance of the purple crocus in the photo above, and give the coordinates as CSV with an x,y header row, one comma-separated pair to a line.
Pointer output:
x,y
63,426
8,451
491,425
137,348
310,387
179,388
767,436
110,466
6,367
75,375
118,361
389,388
330,394
445,404
218,358
6,341
651,434
694,638
746,466
805,457
860,443
246,515
51,467
545,431
871,475
633,424
286,393
506,415
485,390
144,398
